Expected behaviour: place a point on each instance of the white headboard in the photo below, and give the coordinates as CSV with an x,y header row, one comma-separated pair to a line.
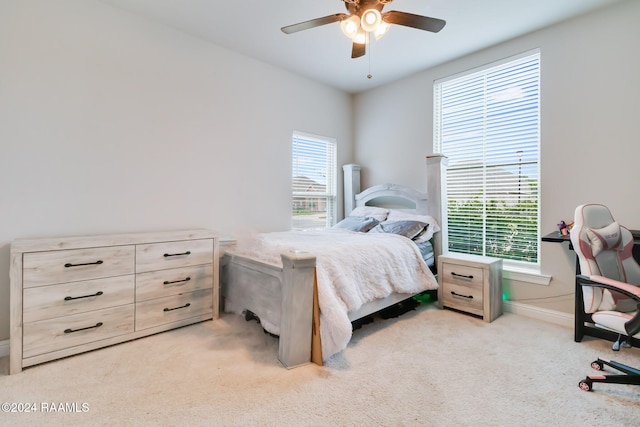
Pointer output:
x,y
431,203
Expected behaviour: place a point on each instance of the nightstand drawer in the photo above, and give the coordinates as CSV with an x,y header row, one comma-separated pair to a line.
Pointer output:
x,y
466,298
46,302
156,284
174,308
161,256
63,332
48,268
462,275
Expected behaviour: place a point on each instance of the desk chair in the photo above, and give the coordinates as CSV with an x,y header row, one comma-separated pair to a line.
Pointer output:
x,y
608,291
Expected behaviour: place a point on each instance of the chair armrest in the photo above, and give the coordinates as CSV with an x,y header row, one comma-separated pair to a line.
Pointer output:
x,y
632,326
632,291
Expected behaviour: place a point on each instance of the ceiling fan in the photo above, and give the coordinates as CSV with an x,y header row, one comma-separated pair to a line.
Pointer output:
x,y
366,17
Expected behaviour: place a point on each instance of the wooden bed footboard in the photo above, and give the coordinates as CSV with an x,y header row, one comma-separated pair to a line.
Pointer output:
x,y
282,297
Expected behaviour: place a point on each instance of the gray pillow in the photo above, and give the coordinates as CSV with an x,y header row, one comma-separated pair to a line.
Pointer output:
x,y
409,229
357,223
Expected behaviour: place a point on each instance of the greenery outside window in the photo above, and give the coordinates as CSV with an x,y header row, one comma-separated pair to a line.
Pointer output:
x,y
313,181
487,122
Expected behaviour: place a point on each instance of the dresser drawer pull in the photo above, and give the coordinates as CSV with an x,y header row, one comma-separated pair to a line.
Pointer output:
x,y
97,294
177,308
470,277
183,253
461,296
97,325
166,282
67,265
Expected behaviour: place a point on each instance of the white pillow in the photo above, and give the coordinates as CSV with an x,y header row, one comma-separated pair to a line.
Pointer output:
x,y
396,215
371,211
605,238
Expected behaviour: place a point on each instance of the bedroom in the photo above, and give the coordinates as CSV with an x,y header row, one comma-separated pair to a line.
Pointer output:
x,y
111,123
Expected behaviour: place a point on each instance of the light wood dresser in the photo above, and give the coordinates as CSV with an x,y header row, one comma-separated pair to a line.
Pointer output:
x,y
70,295
471,283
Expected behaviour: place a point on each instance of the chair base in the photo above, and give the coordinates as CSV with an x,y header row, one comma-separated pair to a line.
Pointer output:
x,y
630,375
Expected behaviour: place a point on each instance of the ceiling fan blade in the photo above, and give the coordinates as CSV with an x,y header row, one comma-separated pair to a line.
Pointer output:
x,y
414,21
314,23
358,50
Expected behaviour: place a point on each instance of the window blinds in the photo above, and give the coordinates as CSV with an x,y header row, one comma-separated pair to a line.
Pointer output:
x,y
487,122
313,181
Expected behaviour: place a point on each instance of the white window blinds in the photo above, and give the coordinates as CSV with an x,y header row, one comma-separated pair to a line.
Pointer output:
x,y
487,122
313,181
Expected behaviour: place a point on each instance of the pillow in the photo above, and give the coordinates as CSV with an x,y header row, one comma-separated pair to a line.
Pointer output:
x,y
605,238
357,223
396,215
370,211
409,229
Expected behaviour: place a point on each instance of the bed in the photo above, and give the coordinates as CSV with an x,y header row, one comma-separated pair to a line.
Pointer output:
x,y
307,287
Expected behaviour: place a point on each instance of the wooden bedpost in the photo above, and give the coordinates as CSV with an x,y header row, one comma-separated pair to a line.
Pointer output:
x,y
351,187
437,201
298,279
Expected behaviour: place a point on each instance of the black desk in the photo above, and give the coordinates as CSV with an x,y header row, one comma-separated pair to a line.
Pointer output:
x,y
555,237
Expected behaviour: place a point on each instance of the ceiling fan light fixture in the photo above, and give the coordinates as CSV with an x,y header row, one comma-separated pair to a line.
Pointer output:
x,y
350,26
371,19
381,30
361,37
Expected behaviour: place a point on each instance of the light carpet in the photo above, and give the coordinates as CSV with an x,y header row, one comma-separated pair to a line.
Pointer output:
x,y
428,367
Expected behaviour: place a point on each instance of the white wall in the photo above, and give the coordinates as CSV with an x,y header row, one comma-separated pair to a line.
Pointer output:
x,y
109,123
590,110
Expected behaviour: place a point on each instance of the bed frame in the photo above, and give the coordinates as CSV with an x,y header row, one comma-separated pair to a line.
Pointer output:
x,y
286,295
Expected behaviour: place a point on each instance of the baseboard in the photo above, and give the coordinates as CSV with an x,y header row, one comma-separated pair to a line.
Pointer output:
x,y
551,316
4,348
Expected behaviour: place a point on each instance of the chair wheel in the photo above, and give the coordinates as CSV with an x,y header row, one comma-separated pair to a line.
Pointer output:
x,y
597,365
585,385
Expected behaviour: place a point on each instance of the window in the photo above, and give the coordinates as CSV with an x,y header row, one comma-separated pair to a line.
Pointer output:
x,y
313,181
487,122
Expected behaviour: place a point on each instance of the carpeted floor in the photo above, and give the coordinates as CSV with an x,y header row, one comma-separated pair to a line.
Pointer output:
x,y
429,367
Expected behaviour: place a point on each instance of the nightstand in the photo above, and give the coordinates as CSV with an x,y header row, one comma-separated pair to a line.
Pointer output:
x,y
471,283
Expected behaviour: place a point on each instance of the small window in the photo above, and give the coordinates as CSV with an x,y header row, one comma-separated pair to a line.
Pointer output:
x,y
313,181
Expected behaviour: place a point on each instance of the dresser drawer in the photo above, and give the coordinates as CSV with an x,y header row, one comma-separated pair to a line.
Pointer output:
x,y
63,332
462,275
466,298
160,311
45,302
48,268
160,256
162,283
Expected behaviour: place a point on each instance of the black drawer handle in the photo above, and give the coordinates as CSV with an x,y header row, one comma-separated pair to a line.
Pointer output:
x,y
183,253
462,276
461,296
97,325
97,294
67,265
177,308
166,282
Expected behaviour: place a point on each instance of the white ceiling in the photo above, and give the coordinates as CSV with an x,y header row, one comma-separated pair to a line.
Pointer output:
x,y
252,27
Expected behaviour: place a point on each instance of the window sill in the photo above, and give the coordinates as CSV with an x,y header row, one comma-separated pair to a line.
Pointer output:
x,y
527,276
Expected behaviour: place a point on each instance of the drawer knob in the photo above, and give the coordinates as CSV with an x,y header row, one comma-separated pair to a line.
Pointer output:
x,y
68,265
69,331
97,294
167,282
464,276
177,308
183,253
461,296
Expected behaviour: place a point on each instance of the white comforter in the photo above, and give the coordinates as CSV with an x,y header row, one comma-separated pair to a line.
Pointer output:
x,y
352,269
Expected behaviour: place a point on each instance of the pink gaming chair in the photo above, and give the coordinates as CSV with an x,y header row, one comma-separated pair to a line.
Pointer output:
x,y
607,288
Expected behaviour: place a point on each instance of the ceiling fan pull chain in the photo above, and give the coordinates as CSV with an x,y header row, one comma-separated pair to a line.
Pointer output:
x,y
368,42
